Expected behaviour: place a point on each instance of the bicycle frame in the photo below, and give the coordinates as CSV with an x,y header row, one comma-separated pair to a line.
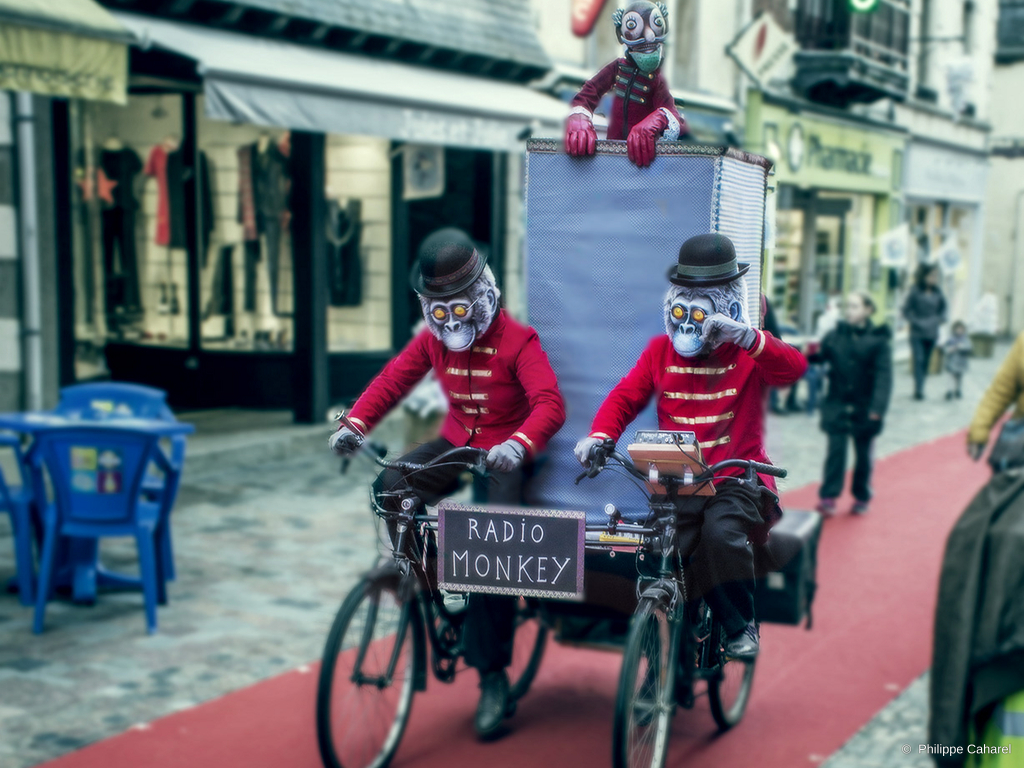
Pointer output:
x,y
410,560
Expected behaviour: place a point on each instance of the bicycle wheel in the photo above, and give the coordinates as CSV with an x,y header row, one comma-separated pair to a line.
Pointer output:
x,y
645,701
368,674
729,687
527,649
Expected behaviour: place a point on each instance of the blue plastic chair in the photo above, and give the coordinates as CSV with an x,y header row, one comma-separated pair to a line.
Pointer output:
x,y
18,504
97,477
112,399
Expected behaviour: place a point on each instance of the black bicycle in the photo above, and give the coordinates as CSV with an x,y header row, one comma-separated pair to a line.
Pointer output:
x,y
395,620
674,642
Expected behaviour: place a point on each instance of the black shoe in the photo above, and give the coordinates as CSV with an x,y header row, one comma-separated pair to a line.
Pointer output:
x,y
919,395
743,646
494,704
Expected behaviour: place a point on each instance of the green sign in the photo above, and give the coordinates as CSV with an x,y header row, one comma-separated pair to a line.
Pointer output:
x,y
863,6
816,151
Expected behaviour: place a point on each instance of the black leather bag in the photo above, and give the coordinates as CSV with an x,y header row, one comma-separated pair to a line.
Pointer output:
x,y
1008,450
786,568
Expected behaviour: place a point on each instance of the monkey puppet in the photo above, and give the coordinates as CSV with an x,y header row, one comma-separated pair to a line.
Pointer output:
x,y
502,396
710,372
643,109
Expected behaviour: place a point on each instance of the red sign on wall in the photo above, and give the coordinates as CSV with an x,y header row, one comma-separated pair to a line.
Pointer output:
x,y
584,15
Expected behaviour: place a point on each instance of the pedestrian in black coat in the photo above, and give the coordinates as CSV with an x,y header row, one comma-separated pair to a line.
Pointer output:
x,y
925,310
859,359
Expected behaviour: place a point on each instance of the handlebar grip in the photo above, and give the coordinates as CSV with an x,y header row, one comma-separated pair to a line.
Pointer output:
x,y
768,469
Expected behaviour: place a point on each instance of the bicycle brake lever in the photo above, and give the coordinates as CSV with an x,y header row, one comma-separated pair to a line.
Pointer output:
x,y
581,476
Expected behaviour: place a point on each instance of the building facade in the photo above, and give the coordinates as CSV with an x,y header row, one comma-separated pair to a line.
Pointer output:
x,y
877,124
1003,273
240,230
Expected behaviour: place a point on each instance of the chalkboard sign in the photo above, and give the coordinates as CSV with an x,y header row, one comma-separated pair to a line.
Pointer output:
x,y
511,550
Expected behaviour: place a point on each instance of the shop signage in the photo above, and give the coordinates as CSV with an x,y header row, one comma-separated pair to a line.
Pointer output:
x,y
510,550
423,171
763,49
943,173
62,64
813,151
584,15
948,256
894,247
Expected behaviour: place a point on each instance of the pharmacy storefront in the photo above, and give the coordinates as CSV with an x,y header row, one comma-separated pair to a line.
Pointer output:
x,y
837,189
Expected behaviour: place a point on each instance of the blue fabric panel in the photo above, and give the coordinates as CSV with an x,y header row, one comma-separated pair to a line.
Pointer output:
x,y
601,236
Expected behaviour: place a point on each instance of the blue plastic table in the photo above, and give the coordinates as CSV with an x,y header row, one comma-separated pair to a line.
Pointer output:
x,y
81,568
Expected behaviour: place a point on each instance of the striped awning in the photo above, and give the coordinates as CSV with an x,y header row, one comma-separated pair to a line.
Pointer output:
x,y
71,49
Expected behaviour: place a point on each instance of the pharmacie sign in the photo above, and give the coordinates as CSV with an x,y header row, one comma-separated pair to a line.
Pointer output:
x,y
812,151
510,550
803,148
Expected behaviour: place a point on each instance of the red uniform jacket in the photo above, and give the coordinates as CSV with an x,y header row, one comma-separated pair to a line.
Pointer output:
x,y
647,93
502,387
721,397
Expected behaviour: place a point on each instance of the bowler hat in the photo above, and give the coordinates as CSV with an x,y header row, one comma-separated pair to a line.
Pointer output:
x,y
706,260
447,263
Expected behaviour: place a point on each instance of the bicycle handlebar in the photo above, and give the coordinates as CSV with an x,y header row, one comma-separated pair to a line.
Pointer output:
x,y
476,466
599,454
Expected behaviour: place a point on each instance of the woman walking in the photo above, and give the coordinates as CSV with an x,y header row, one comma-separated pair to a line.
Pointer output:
x,y
925,310
859,359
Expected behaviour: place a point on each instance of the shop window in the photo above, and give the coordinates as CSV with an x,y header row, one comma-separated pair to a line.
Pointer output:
x,y
785,296
358,232
246,296
130,276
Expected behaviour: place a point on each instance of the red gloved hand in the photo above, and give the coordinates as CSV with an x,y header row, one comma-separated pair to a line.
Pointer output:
x,y
580,136
641,141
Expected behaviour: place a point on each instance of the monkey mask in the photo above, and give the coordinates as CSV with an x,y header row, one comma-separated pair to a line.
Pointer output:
x,y
456,288
706,281
688,307
457,321
642,28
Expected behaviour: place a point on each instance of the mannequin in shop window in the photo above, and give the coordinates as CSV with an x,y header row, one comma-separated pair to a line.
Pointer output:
x,y
345,273
114,187
167,164
264,186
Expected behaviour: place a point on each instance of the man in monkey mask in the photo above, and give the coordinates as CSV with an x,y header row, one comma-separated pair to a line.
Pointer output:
x,y
711,371
502,397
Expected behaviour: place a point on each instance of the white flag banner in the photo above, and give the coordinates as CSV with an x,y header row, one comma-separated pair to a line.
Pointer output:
x,y
948,256
894,247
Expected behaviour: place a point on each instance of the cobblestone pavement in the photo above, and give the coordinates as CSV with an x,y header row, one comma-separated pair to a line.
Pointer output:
x,y
265,555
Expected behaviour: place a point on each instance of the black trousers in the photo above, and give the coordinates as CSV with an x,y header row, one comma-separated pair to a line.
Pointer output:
x,y
835,465
490,619
252,258
273,234
717,538
921,351
121,274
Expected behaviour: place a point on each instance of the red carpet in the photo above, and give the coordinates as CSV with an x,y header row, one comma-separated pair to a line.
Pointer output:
x,y
812,691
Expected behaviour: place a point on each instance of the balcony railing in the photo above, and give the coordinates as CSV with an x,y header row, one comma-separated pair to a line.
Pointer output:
x,y
852,57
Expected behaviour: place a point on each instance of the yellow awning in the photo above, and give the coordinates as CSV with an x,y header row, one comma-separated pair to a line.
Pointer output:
x,y
71,48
